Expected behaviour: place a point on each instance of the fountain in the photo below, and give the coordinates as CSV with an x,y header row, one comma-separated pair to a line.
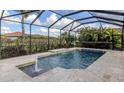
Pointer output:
x,y
36,65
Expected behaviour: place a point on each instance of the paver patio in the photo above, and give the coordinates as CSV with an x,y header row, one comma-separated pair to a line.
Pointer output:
x,y
109,67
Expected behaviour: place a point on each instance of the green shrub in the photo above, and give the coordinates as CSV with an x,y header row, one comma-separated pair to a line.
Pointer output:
x,y
95,35
12,51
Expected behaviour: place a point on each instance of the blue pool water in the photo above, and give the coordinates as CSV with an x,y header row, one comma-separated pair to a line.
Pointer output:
x,y
70,60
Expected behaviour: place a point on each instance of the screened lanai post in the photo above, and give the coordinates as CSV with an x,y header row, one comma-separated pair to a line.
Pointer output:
x,y
31,29
100,28
99,23
60,39
122,39
103,22
97,20
69,39
75,39
1,35
49,31
30,51
112,40
62,16
0,41
48,38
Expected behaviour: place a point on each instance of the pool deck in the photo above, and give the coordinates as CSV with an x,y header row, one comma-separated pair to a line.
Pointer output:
x,y
108,68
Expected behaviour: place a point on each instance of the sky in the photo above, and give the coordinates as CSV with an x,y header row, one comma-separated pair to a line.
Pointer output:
x,y
46,19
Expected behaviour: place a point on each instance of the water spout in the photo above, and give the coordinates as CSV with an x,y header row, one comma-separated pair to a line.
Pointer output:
x,y
37,69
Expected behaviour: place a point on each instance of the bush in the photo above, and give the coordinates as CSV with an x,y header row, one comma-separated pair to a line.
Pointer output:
x,y
12,51
96,45
93,38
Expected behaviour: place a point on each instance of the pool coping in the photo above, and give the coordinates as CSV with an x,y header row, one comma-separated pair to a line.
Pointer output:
x,y
10,72
58,51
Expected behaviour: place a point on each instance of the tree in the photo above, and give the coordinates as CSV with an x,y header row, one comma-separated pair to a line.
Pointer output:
x,y
88,34
22,21
64,39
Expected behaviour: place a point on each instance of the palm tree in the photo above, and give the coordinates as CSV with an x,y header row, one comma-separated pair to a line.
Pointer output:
x,y
89,34
22,21
64,39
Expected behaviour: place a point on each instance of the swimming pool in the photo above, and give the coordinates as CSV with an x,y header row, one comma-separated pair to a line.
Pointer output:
x,y
78,59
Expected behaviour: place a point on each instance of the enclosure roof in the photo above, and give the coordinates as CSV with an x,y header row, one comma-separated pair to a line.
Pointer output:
x,y
64,19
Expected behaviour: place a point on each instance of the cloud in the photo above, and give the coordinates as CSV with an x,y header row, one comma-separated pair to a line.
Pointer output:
x,y
13,18
6,13
11,23
51,19
63,22
96,25
53,32
30,18
43,29
5,30
109,26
